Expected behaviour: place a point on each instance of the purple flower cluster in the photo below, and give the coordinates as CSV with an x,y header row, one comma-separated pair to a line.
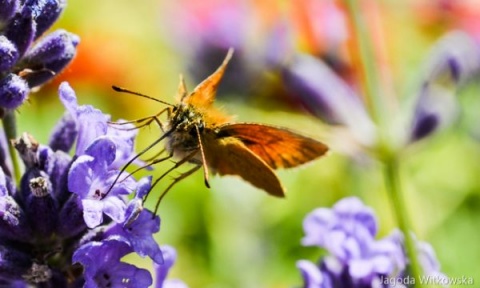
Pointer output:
x,y
25,60
355,258
65,214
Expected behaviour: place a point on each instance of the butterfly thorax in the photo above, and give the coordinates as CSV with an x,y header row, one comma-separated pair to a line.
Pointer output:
x,y
184,121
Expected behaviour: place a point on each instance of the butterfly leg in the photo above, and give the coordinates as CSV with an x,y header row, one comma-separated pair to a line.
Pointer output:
x,y
175,181
178,164
151,163
166,134
204,162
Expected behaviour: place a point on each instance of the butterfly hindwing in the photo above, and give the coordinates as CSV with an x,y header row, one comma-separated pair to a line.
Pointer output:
x,y
229,156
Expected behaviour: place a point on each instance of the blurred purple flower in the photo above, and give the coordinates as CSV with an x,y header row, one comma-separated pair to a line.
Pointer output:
x,y
27,61
355,258
161,270
454,61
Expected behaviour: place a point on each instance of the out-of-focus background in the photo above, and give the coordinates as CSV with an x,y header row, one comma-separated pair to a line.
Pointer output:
x,y
234,235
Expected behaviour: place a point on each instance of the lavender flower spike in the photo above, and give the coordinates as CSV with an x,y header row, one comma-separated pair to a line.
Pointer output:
x,y
44,222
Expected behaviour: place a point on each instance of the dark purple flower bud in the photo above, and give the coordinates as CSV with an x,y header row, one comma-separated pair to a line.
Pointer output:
x,y
13,221
91,122
45,13
13,265
103,267
13,91
49,56
326,96
64,134
21,30
41,206
72,223
8,54
56,165
9,7
161,270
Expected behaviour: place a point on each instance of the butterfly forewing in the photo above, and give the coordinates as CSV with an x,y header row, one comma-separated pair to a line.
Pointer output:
x,y
278,147
204,93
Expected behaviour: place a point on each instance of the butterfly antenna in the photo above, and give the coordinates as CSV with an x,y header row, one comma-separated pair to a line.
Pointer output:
x,y
124,90
136,157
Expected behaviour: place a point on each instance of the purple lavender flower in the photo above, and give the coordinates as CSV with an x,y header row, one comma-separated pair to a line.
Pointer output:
x,y
103,267
355,258
45,222
26,60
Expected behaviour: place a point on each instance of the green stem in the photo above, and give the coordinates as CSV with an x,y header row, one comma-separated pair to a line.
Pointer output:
x,y
392,179
10,129
367,60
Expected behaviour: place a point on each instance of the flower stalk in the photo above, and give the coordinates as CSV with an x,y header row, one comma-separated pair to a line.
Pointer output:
x,y
392,180
10,129
367,61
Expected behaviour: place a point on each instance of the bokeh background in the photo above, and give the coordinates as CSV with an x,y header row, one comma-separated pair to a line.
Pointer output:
x,y
234,235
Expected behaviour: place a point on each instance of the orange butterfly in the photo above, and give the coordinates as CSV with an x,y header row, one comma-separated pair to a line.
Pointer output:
x,y
198,133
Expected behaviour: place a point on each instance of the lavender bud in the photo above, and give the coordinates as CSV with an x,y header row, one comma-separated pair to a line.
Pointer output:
x,y
9,7
13,221
14,263
64,134
71,214
46,13
13,91
8,54
56,165
21,30
49,56
41,206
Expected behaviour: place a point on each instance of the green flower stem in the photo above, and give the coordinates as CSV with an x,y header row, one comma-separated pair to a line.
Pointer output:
x,y
392,179
10,129
367,59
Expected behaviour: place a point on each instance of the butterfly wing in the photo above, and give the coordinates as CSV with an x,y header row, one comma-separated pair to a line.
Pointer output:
x,y
204,94
277,147
229,156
